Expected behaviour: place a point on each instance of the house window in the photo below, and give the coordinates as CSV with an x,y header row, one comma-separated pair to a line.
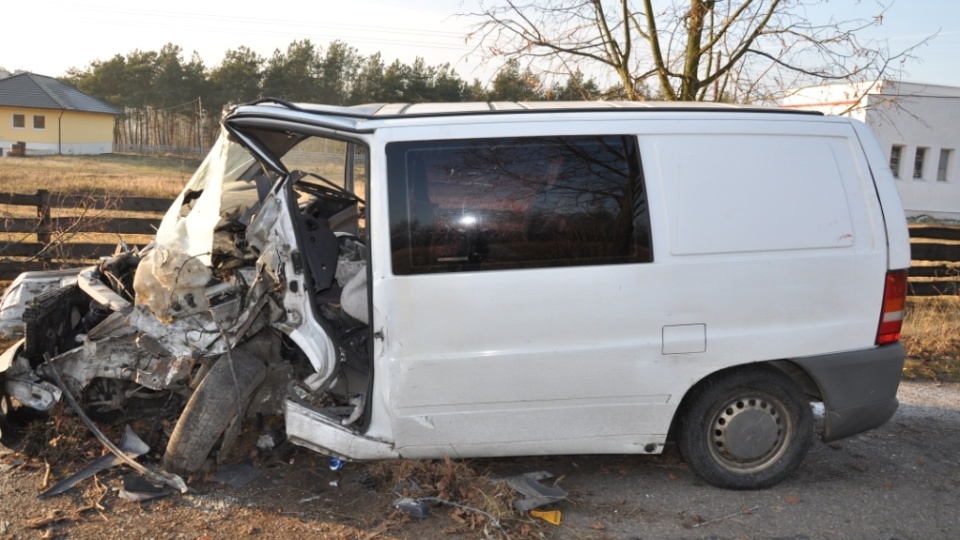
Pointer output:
x,y
39,122
895,154
943,164
19,121
918,163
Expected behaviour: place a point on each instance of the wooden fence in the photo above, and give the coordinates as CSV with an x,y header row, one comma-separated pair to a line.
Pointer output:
x,y
47,230
935,251
49,239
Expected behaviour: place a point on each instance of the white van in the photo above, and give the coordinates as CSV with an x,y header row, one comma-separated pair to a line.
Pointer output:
x,y
469,280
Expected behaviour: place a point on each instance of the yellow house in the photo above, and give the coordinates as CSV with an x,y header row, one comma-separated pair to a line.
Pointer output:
x,y
52,117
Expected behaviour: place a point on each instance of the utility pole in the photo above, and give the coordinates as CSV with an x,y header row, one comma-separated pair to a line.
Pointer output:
x,y
200,125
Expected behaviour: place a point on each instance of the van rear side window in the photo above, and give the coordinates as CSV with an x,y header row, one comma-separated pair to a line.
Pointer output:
x,y
512,203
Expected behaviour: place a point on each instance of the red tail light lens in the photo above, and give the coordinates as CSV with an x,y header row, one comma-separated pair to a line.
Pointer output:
x,y
894,301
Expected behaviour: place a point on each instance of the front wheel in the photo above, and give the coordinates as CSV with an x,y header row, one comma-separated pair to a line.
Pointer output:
x,y
212,416
746,429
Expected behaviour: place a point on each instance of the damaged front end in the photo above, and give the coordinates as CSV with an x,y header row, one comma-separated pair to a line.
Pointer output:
x,y
254,288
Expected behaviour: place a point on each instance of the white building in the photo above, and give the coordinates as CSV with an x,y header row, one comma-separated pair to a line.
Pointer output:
x,y
919,128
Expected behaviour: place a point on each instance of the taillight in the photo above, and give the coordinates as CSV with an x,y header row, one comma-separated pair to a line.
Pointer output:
x,y
894,301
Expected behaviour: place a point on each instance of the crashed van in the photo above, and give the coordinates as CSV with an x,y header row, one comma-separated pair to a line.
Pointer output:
x,y
481,280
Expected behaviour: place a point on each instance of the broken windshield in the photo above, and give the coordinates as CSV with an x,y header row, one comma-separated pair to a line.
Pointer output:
x,y
227,160
223,189
227,189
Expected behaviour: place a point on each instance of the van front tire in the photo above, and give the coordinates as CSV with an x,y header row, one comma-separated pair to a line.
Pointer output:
x,y
212,416
746,429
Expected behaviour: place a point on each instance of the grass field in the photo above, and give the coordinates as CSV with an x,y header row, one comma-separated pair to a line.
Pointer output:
x,y
107,178
931,332
931,337
112,174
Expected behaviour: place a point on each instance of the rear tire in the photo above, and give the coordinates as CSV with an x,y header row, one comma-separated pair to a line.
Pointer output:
x,y
214,412
746,429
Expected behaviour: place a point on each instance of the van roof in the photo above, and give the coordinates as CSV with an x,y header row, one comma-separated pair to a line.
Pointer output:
x,y
382,110
358,118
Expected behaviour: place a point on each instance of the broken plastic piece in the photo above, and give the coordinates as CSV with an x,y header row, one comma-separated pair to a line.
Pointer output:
x,y
550,516
137,489
130,444
412,507
537,494
336,463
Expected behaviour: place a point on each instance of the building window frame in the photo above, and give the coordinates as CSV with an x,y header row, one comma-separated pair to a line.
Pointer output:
x,y
896,159
19,121
943,164
39,122
919,157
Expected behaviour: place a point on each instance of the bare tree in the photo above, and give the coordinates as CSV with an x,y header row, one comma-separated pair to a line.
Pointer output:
x,y
691,50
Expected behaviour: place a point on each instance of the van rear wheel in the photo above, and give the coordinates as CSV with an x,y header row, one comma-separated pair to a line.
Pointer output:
x,y
746,429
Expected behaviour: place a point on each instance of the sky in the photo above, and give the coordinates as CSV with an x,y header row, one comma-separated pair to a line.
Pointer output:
x,y
50,36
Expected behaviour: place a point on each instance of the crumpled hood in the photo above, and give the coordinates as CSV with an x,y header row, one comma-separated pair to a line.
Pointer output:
x,y
174,273
189,225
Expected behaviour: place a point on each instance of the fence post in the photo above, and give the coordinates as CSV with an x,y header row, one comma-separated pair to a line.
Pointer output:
x,y
44,221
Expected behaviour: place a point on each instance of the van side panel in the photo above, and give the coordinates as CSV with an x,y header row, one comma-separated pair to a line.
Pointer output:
x,y
774,231
771,246
528,362
747,194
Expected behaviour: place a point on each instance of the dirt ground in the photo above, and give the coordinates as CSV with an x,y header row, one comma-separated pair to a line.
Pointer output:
x,y
899,481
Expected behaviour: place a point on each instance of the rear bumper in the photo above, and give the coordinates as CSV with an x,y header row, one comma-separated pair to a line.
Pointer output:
x,y
859,388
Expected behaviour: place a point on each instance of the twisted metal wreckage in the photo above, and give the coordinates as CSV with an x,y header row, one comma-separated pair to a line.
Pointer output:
x,y
215,306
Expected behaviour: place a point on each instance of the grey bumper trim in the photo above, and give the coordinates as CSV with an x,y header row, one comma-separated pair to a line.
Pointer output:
x,y
859,388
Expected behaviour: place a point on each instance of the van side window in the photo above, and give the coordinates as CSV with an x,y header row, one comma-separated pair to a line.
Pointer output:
x,y
513,203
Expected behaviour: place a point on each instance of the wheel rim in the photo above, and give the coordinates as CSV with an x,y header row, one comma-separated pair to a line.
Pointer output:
x,y
749,433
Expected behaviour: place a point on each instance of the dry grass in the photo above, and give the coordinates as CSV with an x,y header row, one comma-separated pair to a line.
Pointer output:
x,y
105,180
472,496
112,174
931,336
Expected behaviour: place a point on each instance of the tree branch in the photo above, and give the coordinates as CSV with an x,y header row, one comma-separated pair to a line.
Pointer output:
x,y
662,73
